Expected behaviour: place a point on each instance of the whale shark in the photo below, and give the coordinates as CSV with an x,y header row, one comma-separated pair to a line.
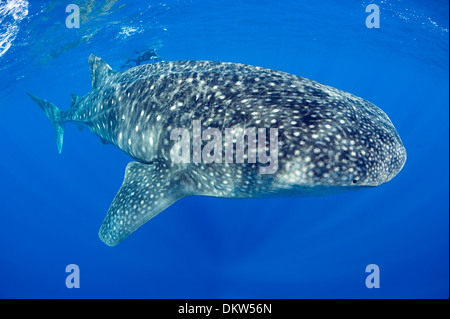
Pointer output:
x,y
324,140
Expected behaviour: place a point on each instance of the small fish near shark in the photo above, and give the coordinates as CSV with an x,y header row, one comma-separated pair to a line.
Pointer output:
x,y
325,140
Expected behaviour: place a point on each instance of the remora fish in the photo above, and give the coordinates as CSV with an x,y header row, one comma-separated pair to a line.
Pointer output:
x,y
328,140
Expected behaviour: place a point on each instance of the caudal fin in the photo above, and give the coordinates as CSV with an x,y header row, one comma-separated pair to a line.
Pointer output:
x,y
54,114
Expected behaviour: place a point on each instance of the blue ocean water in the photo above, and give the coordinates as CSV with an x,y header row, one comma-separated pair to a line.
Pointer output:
x,y
51,205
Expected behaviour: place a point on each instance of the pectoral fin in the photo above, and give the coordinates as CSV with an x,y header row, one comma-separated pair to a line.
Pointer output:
x,y
146,191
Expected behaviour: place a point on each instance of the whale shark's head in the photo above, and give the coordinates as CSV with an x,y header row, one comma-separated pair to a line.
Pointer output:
x,y
362,156
349,144
370,148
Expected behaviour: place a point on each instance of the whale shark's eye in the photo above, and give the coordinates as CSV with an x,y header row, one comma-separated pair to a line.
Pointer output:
x,y
354,181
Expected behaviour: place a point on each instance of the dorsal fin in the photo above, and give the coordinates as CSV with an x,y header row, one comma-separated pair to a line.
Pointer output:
x,y
100,71
75,100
